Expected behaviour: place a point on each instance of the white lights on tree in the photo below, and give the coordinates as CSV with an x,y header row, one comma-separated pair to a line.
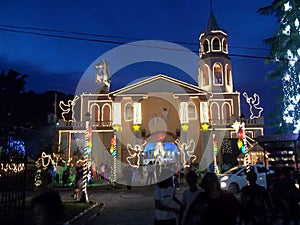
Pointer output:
x,y
204,112
183,112
117,113
137,113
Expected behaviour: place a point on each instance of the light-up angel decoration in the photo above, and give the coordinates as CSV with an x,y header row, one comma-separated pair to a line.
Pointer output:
x,y
253,103
134,157
186,152
102,75
68,109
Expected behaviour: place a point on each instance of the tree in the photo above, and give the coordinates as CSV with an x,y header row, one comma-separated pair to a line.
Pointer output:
x,y
285,53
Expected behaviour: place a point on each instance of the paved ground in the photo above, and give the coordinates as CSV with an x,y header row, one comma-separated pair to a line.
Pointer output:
x,y
121,207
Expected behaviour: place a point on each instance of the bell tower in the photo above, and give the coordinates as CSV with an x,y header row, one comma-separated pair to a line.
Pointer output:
x,y
214,66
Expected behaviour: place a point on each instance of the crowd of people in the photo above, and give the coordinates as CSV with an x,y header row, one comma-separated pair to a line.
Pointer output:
x,y
204,202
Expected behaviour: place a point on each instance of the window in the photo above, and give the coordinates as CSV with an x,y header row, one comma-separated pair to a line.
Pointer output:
x,y
228,74
226,112
215,115
218,75
95,112
205,75
128,112
224,45
106,115
205,46
216,44
192,111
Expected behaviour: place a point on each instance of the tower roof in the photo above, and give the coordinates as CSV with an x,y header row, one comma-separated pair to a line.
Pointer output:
x,y
212,23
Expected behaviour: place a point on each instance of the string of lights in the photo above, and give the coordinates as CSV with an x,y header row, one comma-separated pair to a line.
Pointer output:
x,y
80,36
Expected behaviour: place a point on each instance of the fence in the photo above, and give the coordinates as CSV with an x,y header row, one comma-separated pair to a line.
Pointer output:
x,y
12,191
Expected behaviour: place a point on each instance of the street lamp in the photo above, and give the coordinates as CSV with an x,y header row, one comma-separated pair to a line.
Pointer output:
x,y
87,137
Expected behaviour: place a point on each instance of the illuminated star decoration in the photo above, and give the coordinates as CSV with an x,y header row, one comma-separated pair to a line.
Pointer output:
x,y
186,152
205,126
253,103
135,154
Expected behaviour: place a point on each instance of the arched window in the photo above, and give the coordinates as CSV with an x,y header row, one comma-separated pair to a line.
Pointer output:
x,y
216,44
224,45
218,74
95,112
205,75
128,112
226,112
228,75
215,113
205,46
192,111
106,114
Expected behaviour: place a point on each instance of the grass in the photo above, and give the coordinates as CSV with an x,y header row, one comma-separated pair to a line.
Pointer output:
x,y
72,209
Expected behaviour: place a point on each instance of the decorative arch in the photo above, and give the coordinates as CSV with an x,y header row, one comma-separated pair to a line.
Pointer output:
x,y
128,111
206,47
106,113
218,74
205,75
224,45
95,112
226,111
214,112
216,44
228,74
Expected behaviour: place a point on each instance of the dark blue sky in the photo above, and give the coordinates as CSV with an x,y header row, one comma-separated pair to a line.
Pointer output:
x,y
58,63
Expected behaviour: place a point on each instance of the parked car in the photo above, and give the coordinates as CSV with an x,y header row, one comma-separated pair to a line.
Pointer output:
x,y
235,178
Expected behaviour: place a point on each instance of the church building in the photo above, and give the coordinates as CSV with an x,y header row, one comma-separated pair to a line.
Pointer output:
x,y
162,119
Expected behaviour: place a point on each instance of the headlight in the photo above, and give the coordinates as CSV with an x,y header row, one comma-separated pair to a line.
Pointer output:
x,y
223,184
224,178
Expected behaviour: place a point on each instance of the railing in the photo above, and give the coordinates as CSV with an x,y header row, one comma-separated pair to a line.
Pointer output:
x,y
95,124
253,122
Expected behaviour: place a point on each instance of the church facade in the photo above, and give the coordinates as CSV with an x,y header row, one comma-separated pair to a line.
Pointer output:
x,y
161,118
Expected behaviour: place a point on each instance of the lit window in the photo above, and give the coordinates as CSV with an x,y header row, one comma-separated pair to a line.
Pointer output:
x,y
218,74
228,74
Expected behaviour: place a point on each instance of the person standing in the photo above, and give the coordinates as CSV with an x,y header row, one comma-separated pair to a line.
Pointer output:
x,y
214,205
254,199
188,195
285,197
164,198
150,170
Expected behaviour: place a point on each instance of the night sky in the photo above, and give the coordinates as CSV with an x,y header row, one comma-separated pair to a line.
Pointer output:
x,y
56,55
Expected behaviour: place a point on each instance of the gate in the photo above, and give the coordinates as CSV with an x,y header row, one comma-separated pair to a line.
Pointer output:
x,y
12,190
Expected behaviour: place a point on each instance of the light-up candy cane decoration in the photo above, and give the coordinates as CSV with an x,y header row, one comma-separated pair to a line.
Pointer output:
x,y
215,147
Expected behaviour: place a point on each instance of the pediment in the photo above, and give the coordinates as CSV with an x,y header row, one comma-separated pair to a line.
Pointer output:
x,y
159,84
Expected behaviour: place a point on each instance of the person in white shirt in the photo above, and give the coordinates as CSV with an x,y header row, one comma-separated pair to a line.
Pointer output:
x,y
164,197
189,194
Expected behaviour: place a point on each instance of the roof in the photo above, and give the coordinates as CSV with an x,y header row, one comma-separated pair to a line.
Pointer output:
x,y
277,138
212,23
160,84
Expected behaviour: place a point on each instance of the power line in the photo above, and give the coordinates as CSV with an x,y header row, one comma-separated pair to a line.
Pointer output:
x,y
112,36
110,41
